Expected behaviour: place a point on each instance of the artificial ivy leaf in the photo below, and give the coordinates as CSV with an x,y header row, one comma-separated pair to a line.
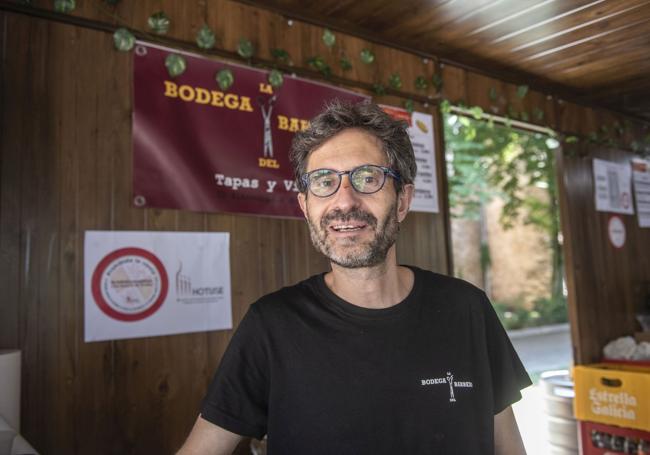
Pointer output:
x,y
409,106
421,83
522,90
512,112
319,65
225,79
280,54
367,56
123,40
493,94
205,38
395,81
275,78
346,64
175,65
64,6
571,139
476,112
436,79
445,106
245,48
593,136
159,22
329,38
379,89
618,128
539,114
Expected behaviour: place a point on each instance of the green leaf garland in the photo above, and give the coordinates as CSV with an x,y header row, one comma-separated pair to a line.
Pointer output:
x,y
123,40
395,81
436,79
275,78
205,38
409,106
64,6
421,83
319,65
159,22
281,55
245,48
367,56
329,38
345,63
175,65
379,89
522,90
225,79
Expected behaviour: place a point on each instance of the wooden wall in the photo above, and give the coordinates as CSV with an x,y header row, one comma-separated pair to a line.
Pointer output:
x,y
66,167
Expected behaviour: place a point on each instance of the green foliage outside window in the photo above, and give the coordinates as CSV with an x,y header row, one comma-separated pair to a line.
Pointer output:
x,y
485,161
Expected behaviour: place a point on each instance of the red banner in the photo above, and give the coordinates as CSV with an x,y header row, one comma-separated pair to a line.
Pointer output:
x,y
197,147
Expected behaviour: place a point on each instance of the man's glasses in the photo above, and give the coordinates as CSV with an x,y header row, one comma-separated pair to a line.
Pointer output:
x,y
366,179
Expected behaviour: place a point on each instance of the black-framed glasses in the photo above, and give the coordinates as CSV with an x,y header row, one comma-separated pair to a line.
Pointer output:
x,y
366,179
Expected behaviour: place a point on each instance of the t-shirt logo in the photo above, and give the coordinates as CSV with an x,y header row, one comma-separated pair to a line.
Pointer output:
x,y
449,380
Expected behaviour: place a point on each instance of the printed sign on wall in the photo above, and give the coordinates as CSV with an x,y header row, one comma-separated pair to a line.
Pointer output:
x,y
613,187
140,284
199,147
425,198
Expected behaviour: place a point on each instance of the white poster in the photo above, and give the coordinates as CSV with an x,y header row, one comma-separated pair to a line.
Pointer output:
x,y
641,177
613,187
142,284
426,185
425,198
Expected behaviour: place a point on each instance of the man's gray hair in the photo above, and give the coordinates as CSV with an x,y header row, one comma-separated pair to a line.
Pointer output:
x,y
340,115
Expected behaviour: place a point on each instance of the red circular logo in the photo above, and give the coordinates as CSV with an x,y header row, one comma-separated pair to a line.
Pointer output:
x,y
129,284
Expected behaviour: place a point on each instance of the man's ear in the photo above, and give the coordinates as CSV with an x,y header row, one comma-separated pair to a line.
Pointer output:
x,y
404,199
302,202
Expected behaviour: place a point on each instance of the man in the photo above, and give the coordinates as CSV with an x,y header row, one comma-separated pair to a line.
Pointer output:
x,y
371,357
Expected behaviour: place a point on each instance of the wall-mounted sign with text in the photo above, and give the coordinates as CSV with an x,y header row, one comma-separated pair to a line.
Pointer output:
x,y
140,284
202,148
425,198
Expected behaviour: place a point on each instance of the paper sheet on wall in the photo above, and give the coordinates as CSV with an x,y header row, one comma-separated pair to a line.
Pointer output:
x,y
420,131
641,178
141,284
612,187
426,185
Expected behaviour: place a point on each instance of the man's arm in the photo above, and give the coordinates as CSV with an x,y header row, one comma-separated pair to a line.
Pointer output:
x,y
207,438
507,440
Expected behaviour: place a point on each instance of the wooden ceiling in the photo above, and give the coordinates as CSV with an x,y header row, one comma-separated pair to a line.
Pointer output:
x,y
593,51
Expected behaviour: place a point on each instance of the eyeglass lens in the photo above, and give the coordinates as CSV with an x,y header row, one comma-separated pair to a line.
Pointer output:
x,y
364,179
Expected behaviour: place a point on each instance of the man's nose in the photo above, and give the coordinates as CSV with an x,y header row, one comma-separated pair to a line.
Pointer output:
x,y
346,197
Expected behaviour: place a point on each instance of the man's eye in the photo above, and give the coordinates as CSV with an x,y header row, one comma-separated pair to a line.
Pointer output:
x,y
324,182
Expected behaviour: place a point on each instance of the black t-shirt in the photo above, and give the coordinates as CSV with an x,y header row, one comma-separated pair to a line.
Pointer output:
x,y
322,376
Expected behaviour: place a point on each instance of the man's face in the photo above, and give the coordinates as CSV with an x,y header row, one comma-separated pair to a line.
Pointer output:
x,y
353,229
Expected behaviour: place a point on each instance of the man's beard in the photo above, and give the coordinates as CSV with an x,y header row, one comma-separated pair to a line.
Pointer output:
x,y
350,252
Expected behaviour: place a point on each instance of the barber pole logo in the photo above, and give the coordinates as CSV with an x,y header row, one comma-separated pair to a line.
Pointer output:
x,y
448,380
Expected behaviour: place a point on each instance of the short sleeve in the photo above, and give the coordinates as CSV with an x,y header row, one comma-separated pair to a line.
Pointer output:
x,y
237,399
509,376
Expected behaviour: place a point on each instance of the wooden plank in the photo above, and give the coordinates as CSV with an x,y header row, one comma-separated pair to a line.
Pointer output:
x,y
11,89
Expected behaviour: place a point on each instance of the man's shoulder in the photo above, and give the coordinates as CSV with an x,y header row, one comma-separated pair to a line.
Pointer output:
x,y
287,296
446,283
449,289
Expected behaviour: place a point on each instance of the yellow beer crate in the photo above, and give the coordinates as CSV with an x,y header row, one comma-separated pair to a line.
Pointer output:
x,y
615,394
